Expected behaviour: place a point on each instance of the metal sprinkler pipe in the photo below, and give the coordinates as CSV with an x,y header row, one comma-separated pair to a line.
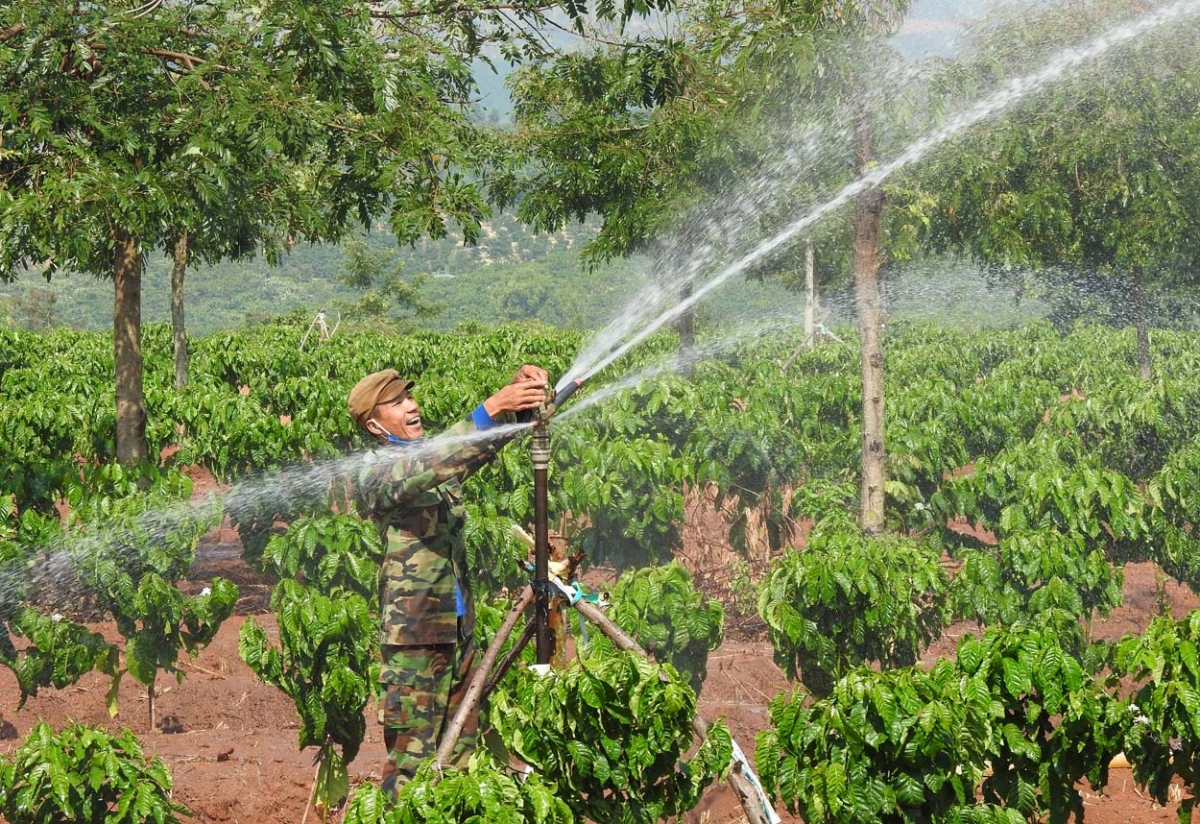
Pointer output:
x,y
564,393
539,453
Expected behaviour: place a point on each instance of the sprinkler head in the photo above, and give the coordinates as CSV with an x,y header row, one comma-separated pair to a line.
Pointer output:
x,y
566,392
548,411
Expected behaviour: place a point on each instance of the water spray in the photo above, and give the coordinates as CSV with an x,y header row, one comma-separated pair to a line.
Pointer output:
x,y
635,326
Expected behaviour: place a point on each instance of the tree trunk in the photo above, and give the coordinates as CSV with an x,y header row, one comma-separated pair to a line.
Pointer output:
x,y
178,330
127,351
1141,321
810,294
868,217
687,333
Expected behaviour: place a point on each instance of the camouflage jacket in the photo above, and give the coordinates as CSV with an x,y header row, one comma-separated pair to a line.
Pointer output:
x,y
413,494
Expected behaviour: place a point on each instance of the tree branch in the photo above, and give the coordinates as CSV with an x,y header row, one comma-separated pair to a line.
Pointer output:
x,y
189,61
591,38
12,32
551,133
443,8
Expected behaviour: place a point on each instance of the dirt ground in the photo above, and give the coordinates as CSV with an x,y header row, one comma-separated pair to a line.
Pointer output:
x,y
230,741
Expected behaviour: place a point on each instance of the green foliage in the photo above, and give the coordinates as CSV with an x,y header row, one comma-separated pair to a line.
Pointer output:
x,y
1058,725
129,546
1043,577
632,490
845,600
126,522
1042,439
60,652
831,503
1054,482
899,746
158,621
327,663
1096,175
590,142
1162,741
170,138
1015,720
84,774
642,131
1175,497
495,555
386,294
485,791
334,554
661,610
609,734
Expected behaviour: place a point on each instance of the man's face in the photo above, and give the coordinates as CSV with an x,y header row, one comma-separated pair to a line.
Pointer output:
x,y
401,417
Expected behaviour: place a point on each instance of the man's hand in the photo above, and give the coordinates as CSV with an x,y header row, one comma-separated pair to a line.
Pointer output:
x,y
518,396
529,372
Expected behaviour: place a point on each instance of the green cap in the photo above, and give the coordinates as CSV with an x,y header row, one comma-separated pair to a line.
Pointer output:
x,y
374,389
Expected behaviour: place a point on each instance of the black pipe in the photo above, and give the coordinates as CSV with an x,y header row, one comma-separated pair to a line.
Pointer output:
x,y
541,568
566,392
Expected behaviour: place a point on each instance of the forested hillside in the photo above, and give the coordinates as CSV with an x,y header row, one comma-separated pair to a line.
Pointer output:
x,y
532,278
511,274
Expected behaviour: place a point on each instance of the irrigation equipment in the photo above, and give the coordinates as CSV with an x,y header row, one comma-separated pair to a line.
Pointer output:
x,y
539,453
742,779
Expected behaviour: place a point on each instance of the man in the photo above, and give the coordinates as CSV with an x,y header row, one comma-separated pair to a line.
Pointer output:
x,y
412,491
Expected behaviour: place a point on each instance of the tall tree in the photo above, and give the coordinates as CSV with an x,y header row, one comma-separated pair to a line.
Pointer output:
x,y
179,263
1098,176
647,136
843,94
856,95
238,122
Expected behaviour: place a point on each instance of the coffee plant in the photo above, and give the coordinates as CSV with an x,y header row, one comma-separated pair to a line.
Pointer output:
x,y
485,791
132,547
58,654
327,663
846,599
84,774
1161,740
898,746
610,734
1045,577
661,610
1058,724
332,554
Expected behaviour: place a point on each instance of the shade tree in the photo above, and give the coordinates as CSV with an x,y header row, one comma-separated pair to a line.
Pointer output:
x,y
1092,182
242,126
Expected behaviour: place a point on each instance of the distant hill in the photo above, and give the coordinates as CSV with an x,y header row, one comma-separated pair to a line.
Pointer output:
x,y
511,274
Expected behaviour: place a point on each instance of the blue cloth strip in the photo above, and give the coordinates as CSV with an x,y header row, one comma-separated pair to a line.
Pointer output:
x,y
482,419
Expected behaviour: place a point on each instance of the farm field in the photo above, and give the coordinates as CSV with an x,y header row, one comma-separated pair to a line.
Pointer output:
x,y
924,546
229,740
1028,471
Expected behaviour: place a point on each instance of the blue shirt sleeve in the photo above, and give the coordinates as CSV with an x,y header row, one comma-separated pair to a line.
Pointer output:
x,y
460,603
482,419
